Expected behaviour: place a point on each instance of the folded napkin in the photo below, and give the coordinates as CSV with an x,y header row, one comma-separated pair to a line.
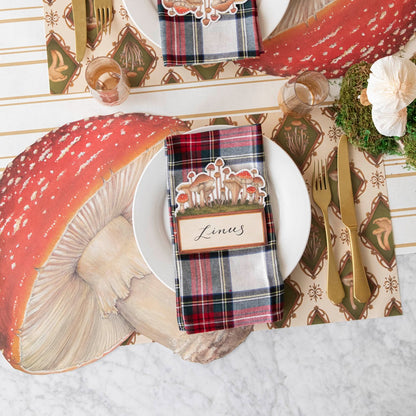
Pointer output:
x,y
187,41
227,288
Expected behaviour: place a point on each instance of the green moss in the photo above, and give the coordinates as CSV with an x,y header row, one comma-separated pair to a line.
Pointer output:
x,y
218,209
355,119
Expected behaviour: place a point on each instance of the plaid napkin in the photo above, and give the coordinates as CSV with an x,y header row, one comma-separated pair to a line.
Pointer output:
x,y
228,288
186,41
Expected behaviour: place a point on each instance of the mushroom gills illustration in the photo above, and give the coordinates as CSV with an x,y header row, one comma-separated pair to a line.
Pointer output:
x,y
75,286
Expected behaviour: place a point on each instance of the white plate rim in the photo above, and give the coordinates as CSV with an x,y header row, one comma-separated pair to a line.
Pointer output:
x,y
299,228
144,16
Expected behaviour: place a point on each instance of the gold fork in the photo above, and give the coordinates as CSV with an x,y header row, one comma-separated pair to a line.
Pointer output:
x,y
322,196
104,13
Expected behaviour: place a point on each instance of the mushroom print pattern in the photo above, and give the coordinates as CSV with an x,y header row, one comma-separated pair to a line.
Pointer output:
x,y
73,285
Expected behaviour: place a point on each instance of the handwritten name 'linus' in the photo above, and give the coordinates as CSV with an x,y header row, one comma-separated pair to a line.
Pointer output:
x,y
209,231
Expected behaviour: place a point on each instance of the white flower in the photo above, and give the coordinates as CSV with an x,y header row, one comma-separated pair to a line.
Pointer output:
x,y
390,124
392,84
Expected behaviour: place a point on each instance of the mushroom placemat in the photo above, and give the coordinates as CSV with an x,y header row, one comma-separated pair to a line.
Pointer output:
x,y
60,232
334,34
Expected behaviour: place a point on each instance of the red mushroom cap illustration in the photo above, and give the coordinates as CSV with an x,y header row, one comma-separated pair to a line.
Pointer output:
x,y
182,198
244,174
332,38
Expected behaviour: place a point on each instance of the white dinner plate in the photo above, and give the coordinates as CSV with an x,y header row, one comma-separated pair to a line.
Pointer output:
x,y
288,196
144,15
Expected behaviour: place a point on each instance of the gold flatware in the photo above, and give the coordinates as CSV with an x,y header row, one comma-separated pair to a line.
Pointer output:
x,y
79,14
322,196
346,202
103,12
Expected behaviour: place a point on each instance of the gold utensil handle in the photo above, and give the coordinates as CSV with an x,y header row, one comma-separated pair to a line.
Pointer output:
x,y
335,288
360,283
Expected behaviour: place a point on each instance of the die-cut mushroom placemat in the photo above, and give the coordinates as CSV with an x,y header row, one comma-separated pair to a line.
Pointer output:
x,y
56,315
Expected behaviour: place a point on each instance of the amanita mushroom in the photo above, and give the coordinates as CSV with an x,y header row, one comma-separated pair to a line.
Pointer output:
x,y
251,190
244,178
331,35
184,187
69,265
258,182
182,199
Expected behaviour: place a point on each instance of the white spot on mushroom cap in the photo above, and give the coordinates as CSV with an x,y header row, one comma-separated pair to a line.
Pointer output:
x,y
17,222
105,137
85,164
67,148
63,138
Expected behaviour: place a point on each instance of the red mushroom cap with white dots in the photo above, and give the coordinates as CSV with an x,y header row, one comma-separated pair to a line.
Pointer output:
x,y
49,198
330,39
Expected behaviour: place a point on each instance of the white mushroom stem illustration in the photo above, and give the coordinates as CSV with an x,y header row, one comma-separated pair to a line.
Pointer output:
x,y
203,185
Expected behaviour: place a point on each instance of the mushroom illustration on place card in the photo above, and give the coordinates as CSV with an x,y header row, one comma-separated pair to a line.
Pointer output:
x,y
219,189
219,208
73,285
207,11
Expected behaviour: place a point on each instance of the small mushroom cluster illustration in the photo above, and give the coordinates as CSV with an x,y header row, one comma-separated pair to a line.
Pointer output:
x,y
218,185
206,10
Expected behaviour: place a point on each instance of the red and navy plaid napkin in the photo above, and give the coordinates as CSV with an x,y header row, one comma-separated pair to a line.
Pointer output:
x,y
227,288
186,41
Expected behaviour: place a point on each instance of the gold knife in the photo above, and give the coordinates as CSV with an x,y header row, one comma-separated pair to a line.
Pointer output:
x,y
346,202
79,13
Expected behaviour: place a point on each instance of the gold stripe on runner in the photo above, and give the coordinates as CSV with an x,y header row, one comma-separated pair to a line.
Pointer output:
x,y
5,64
22,8
403,216
400,175
16,132
22,47
403,209
405,245
42,49
22,19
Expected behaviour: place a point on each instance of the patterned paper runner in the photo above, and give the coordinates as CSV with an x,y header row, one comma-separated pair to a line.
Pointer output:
x,y
140,57
306,140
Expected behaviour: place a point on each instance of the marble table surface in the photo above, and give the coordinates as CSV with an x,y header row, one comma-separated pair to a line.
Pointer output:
x,y
363,368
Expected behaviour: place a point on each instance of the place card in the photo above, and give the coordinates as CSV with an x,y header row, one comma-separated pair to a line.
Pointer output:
x,y
219,209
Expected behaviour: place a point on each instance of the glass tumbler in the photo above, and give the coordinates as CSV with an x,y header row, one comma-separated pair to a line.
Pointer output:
x,y
107,81
303,93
